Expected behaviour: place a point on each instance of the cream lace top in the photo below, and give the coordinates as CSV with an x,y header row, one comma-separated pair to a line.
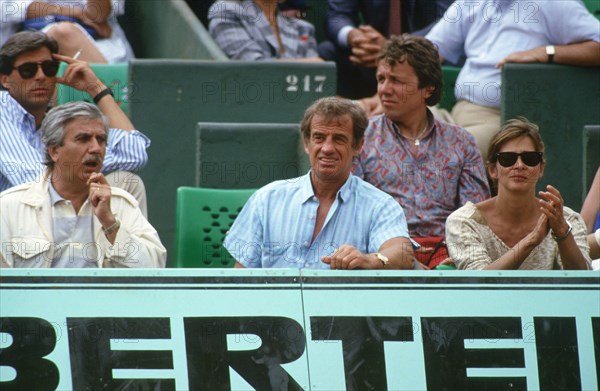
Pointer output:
x,y
473,245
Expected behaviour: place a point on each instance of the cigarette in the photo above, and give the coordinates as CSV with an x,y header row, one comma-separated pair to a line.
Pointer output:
x,y
76,56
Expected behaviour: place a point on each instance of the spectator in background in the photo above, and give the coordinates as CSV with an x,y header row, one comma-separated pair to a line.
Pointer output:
x,y
28,68
70,216
516,230
87,27
256,30
590,211
491,33
430,167
327,219
355,47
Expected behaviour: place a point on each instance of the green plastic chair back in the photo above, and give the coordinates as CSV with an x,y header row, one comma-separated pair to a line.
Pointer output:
x,y
203,217
449,76
247,155
112,75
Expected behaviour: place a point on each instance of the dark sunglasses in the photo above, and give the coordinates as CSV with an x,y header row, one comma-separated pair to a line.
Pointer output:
x,y
508,159
29,69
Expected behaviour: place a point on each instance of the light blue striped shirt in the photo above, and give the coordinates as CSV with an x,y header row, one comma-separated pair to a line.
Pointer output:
x,y
22,151
275,227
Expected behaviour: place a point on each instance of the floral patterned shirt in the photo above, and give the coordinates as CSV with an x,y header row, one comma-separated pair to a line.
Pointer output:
x,y
431,181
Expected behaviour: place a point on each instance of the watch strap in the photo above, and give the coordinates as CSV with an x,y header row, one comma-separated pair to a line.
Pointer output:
x,y
102,94
550,52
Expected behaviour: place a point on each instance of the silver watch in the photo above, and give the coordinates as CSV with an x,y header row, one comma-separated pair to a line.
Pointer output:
x,y
385,260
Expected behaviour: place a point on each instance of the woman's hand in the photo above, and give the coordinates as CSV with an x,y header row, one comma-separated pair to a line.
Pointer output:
x,y
551,206
539,232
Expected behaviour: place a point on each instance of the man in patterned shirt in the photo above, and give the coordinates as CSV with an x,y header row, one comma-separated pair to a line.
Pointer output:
x,y
28,69
327,218
430,167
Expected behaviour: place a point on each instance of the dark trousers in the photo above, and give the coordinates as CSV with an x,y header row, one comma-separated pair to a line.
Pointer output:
x,y
353,82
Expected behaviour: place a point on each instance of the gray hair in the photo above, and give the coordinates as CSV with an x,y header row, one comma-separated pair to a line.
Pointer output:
x,y
21,42
331,109
53,126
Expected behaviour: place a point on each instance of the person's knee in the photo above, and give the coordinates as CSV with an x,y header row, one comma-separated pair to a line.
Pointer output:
x,y
64,31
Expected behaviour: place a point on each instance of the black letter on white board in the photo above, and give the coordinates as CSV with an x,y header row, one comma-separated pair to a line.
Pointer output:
x,y
92,359
362,344
209,359
447,359
596,334
32,339
557,353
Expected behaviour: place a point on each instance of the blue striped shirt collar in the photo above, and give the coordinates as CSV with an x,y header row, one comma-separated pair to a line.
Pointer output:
x,y
13,104
307,191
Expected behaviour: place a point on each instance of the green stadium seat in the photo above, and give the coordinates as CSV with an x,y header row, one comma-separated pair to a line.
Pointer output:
x,y
449,76
168,29
169,98
112,75
203,218
248,155
591,155
561,100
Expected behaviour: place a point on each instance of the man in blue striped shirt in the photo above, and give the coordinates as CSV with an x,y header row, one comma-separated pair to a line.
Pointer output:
x,y
327,218
28,68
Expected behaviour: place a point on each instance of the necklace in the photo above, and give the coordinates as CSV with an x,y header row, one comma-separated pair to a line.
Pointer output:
x,y
416,139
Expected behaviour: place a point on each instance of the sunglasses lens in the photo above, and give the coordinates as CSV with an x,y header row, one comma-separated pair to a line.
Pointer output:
x,y
50,68
507,159
531,159
27,70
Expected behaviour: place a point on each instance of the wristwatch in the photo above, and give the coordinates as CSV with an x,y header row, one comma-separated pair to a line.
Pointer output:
x,y
383,259
550,51
566,235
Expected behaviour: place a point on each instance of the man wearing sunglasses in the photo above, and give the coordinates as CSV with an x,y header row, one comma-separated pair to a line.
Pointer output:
x,y
28,75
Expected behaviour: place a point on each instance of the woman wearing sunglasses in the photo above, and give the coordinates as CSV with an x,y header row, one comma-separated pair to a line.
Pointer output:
x,y
516,229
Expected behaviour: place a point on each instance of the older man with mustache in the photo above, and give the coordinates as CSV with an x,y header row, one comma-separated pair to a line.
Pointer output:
x,y
28,74
70,216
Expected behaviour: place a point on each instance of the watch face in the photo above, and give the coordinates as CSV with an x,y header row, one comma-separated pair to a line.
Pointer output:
x,y
383,258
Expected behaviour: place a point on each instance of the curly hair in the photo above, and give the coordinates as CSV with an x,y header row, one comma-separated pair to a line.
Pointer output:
x,y
422,55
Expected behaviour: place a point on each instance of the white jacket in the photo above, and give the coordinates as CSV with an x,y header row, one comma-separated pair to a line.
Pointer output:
x,y
26,231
